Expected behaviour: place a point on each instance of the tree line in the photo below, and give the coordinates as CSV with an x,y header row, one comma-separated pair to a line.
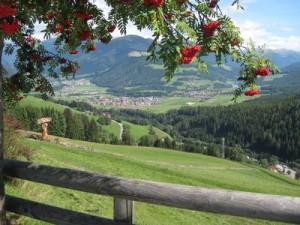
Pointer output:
x,y
64,124
268,126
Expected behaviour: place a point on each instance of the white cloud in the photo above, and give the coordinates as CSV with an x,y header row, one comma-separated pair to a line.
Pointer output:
x,y
287,29
258,33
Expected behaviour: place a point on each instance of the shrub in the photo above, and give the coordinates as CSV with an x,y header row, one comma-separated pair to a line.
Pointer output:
x,y
12,148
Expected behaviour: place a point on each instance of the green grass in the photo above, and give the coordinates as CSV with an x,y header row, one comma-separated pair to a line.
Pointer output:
x,y
161,133
113,128
225,67
148,164
37,102
168,103
271,78
137,131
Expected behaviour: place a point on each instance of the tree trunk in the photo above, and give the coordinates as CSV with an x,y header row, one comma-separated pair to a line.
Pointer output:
x,y
2,193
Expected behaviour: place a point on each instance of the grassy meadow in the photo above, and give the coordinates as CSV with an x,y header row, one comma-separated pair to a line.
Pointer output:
x,y
152,164
137,131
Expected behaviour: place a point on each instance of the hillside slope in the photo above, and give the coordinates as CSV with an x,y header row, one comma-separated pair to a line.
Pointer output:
x,y
149,164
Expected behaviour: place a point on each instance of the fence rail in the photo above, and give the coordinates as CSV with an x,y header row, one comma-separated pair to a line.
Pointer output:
x,y
245,204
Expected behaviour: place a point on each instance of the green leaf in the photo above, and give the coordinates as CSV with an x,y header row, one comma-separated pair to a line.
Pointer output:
x,y
184,28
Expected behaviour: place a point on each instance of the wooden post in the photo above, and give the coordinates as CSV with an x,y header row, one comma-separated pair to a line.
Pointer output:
x,y
123,210
223,147
2,192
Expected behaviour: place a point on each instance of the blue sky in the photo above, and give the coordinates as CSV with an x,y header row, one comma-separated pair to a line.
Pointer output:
x,y
271,22
275,23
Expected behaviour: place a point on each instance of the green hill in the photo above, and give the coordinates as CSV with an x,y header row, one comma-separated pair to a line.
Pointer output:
x,y
136,130
149,164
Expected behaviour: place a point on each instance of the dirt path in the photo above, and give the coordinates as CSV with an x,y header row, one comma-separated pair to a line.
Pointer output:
x,y
121,129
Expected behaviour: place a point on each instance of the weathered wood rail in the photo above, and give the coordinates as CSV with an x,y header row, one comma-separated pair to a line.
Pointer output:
x,y
245,204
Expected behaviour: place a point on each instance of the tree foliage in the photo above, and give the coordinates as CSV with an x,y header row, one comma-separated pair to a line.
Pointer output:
x,y
183,31
64,124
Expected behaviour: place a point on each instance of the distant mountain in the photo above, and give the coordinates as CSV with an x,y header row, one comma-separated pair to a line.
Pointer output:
x,y
284,57
106,56
289,82
129,72
122,63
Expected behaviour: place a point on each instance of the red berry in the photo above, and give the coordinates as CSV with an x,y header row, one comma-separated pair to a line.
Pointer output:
x,y
68,22
235,42
155,3
74,51
189,53
263,71
85,35
84,2
213,3
209,28
252,92
111,28
7,10
92,48
62,60
59,28
29,39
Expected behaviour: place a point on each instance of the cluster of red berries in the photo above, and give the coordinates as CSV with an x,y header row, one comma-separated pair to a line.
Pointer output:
x,y
111,28
83,15
85,35
74,52
189,53
128,2
70,68
213,3
12,25
252,92
262,71
155,3
84,2
209,28
7,11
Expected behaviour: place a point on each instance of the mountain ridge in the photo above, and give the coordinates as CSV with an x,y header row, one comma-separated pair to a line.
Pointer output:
x,y
122,63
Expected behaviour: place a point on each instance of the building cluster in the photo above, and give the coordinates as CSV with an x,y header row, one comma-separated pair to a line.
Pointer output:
x,y
124,101
193,94
284,169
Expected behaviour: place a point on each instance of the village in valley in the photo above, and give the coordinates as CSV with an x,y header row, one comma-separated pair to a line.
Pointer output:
x,y
77,88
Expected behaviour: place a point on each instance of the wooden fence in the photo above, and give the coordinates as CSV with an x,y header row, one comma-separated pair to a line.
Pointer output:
x,y
125,191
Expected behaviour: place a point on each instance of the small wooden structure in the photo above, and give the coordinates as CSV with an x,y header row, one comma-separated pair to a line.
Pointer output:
x,y
44,124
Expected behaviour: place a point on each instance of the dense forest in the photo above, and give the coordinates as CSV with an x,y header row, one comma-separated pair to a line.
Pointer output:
x,y
266,126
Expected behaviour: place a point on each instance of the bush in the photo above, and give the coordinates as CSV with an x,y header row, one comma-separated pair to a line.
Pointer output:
x,y
12,148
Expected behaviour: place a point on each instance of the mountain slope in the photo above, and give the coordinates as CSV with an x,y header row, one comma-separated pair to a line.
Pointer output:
x,y
132,71
122,63
289,82
284,57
